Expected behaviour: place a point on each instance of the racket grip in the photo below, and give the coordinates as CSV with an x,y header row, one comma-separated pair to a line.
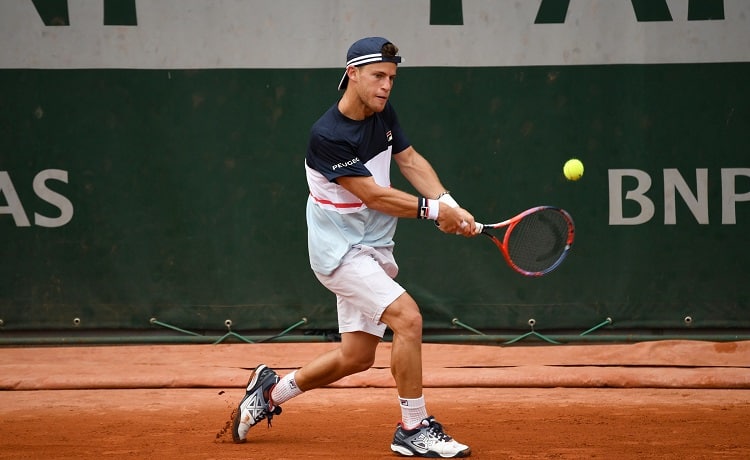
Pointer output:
x,y
480,227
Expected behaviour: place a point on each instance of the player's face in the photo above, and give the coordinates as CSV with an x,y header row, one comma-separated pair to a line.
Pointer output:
x,y
374,84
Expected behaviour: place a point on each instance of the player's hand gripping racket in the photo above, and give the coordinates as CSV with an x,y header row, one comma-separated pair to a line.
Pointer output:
x,y
536,241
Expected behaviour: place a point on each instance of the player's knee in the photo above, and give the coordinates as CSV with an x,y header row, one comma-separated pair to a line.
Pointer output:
x,y
359,362
403,317
409,325
415,326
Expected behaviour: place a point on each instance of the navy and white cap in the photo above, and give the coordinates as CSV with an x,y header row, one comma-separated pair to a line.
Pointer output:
x,y
366,51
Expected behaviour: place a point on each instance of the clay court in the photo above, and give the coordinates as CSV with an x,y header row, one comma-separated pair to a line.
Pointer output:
x,y
673,399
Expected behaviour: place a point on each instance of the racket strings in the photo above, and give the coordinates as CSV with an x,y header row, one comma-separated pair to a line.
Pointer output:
x,y
538,240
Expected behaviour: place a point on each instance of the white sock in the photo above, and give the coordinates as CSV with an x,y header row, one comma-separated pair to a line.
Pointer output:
x,y
413,411
285,390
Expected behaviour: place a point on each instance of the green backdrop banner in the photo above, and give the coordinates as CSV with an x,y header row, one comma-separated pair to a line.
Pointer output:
x,y
127,195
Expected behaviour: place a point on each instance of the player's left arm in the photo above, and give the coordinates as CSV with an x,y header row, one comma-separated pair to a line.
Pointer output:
x,y
419,172
422,176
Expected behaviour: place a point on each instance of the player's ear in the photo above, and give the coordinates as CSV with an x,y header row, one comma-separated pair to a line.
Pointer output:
x,y
353,73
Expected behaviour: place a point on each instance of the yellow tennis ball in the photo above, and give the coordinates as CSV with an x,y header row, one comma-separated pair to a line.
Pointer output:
x,y
573,169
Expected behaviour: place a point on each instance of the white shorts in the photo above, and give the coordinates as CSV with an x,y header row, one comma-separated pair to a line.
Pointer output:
x,y
364,287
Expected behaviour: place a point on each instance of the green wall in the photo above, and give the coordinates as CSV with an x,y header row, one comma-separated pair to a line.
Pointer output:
x,y
188,194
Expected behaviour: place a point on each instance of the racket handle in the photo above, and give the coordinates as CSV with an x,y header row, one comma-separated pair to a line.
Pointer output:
x,y
480,227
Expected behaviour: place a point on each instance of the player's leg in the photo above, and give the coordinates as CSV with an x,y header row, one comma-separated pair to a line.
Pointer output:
x,y
417,434
405,320
356,354
363,291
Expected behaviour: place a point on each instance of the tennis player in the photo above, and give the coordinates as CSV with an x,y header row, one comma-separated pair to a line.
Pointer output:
x,y
352,212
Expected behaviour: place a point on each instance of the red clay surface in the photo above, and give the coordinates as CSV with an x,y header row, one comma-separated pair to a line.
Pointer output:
x,y
359,423
146,402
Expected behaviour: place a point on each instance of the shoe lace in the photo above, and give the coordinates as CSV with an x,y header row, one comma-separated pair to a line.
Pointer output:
x,y
435,429
270,413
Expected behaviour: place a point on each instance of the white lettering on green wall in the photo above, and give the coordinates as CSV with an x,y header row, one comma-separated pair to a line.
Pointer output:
x,y
15,208
696,199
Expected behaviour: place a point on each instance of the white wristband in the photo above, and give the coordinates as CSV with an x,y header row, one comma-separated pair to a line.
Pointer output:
x,y
433,209
428,209
448,199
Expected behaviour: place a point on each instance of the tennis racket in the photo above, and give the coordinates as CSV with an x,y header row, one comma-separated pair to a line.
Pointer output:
x,y
536,241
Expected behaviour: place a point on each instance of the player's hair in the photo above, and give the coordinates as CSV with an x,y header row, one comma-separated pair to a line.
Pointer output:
x,y
389,49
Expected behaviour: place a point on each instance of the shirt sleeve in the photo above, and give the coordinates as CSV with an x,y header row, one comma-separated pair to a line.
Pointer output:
x,y
400,141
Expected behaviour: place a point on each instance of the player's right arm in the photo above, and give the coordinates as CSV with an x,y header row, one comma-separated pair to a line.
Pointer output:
x,y
398,203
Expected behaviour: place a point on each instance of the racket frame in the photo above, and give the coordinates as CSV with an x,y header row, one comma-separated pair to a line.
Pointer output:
x,y
512,222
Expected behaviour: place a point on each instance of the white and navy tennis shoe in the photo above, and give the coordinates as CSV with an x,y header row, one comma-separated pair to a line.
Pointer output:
x,y
428,440
257,404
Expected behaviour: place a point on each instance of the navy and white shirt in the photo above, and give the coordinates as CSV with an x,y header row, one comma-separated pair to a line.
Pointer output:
x,y
336,219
